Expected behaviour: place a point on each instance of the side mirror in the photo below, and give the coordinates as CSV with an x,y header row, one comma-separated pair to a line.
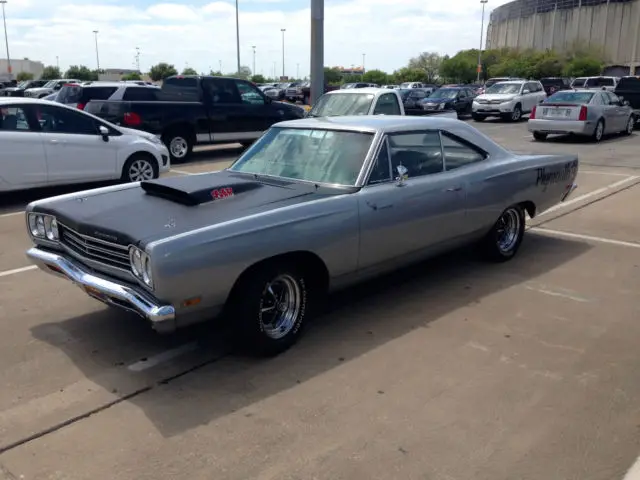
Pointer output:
x,y
402,175
525,91
625,103
104,131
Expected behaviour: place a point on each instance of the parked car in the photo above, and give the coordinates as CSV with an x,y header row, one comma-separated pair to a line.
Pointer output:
x,y
48,88
199,110
508,100
552,85
359,85
603,83
628,88
79,95
390,87
412,100
458,99
581,112
45,144
493,80
302,212
18,91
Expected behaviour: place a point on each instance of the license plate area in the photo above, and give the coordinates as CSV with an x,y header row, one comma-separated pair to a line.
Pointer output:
x,y
556,112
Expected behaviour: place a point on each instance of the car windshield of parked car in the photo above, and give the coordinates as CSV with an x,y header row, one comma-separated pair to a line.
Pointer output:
x,y
340,104
50,84
444,93
312,155
570,97
579,82
504,88
404,92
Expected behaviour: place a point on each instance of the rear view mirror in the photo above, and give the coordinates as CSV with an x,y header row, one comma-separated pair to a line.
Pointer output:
x,y
104,131
625,103
525,91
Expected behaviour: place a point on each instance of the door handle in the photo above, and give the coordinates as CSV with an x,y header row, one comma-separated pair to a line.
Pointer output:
x,y
454,189
57,142
376,207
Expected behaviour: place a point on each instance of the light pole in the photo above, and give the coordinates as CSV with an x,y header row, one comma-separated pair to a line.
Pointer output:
x,y
57,62
483,2
364,55
220,63
6,38
95,32
297,71
254,60
283,30
138,58
316,72
274,71
237,34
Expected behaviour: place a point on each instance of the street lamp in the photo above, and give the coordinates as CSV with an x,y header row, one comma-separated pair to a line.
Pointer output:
x,y
220,63
6,38
283,30
363,57
95,32
483,2
237,35
297,71
254,59
138,58
57,63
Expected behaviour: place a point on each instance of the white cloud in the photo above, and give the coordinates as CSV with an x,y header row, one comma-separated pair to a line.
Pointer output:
x,y
203,35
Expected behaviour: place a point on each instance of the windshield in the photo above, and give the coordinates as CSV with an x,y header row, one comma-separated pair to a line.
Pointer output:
x,y
493,81
579,82
404,92
319,156
23,84
339,104
570,97
444,93
50,84
504,88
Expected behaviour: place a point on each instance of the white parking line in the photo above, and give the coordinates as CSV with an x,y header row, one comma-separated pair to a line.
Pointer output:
x,y
613,174
181,172
634,472
610,241
162,357
590,194
6,273
11,214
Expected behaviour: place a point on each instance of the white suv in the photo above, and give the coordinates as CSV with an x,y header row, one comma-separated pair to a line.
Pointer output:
x,y
508,100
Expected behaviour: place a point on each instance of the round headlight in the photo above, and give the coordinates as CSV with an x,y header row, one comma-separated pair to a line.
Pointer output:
x,y
136,262
146,271
51,228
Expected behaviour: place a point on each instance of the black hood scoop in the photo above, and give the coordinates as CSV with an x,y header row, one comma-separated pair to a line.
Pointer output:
x,y
196,190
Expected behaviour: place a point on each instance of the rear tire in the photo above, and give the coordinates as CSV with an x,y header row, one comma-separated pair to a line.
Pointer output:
x,y
180,145
477,118
539,136
140,167
631,123
505,237
269,308
598,132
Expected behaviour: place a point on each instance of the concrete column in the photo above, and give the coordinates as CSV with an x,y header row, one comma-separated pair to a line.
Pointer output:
x,y
606,25
317,50
553,23
634,52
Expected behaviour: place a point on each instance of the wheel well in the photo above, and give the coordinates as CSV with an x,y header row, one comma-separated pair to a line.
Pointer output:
x,y
529,207
142,153
185,128
309,262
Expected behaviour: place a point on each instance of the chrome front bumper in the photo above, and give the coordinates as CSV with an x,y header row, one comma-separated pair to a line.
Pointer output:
x,y
162,317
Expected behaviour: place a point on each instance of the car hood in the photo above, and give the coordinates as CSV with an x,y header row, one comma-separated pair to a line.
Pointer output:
x,y
496,96
12,89
437,100
39,90
140,133
139,213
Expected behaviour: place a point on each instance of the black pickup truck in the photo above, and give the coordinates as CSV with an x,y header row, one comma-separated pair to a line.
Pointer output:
x,y
628,88
190,110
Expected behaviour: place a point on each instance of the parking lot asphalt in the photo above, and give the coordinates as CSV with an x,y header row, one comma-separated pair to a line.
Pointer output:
x,y
453,369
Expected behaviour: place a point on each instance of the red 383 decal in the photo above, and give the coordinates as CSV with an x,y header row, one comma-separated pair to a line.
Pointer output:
x,y
222,193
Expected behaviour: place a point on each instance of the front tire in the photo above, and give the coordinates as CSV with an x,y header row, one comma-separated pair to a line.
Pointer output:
x,y
515,115
539,136
598,132
477,118
180,145
505,237
631,123
140,167
269,308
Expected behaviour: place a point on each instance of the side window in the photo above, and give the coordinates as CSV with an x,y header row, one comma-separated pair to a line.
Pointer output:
x,y
420,153
615,100
13,119
458,154
141,94
462,93
249,94
387,105
529,86
598,100
64,120
381,171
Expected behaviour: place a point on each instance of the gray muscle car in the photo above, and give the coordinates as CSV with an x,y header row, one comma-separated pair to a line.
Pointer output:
x,y
313,206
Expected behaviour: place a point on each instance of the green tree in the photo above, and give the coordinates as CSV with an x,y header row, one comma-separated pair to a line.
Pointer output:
x,y
429,63
407,74
189,71
258,79
332,76
375,76
51,72
583,67
459,68
215,73
161,71
80,72
132,76
22,76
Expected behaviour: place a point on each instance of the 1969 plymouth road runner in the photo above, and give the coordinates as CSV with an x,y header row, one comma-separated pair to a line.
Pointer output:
x,y
313,206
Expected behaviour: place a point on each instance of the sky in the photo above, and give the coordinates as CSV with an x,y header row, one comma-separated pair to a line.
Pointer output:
x,y
202,33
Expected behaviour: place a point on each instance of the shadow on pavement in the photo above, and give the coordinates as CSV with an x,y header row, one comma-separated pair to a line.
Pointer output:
x,y
357,321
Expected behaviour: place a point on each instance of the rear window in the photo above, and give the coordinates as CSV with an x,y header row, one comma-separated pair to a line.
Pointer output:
x,y
600,82
570,97
629,83
579,82
78,94
181,88
97,93
140,94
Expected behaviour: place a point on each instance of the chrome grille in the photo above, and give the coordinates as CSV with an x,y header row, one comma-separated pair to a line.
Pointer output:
x,y
91,248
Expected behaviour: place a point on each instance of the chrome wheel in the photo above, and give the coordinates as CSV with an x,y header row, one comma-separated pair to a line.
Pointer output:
x,y
599,131
178,147
280,306
631,123
140,170
516,114
508,230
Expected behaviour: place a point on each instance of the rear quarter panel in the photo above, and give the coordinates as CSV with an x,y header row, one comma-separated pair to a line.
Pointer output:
x,y
208,261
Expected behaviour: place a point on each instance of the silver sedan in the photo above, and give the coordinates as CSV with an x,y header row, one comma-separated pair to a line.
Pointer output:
x,y
582,112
